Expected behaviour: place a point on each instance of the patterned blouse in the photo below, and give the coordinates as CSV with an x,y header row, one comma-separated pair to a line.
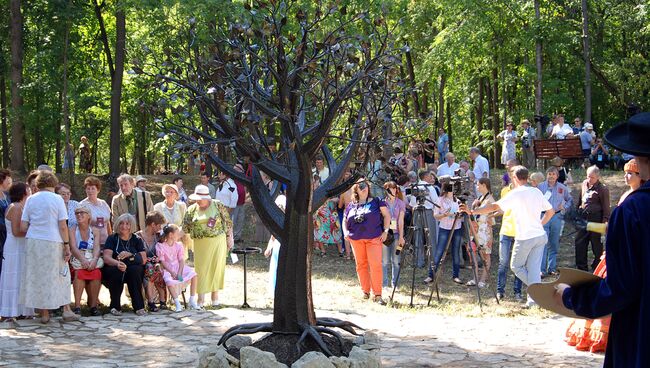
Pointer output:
x,y
196,221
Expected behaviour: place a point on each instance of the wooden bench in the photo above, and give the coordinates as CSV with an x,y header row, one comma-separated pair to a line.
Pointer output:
x,y
564,148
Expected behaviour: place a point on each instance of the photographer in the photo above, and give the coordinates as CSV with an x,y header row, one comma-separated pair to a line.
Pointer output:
x,y
366,224
427,199
445,213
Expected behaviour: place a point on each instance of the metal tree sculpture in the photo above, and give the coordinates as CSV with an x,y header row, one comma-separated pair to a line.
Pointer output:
x,y
304,81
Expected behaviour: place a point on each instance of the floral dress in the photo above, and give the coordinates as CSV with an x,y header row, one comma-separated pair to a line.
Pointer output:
x,y
326,224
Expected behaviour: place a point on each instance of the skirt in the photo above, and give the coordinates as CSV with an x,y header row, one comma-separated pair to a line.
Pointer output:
x,y
46,278
10,279
86,275
210,263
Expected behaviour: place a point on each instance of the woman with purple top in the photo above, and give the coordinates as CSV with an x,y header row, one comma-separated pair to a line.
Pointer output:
x,y
366,224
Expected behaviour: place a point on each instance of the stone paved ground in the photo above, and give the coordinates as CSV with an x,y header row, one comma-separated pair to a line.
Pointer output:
x,y
174,339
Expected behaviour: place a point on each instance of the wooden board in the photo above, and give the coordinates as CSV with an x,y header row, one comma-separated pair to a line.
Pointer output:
x,y
564,148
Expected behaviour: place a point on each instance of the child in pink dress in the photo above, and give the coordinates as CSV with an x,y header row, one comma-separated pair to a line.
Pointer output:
x,y
176,274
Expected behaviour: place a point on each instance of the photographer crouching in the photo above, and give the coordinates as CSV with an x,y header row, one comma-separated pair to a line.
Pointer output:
x,y
366,223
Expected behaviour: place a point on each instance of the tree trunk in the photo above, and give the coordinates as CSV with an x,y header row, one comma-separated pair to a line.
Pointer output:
x,y
538,66
293,295
479,107
441,104
449,132
116,89
3,120
585,51
17,124
496,127
414,91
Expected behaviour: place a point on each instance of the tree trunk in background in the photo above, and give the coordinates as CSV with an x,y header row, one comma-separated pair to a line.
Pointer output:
x,y
449,132
495,118
441,105
414,91
479,107
3,120
116,89
405,101
538,66
38,134
17,124
586,56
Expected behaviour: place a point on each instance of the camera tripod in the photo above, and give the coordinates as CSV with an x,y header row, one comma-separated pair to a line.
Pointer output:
x,y
471,250
418,228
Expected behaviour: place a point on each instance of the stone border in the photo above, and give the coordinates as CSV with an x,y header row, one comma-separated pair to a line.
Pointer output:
x,y
364,353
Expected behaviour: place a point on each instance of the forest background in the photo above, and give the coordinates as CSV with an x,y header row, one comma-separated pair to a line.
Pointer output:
x,y
75,67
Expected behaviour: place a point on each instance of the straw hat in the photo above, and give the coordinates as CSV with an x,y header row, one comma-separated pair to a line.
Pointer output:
x,y
173,186
557,161
631,166
200,192
542,293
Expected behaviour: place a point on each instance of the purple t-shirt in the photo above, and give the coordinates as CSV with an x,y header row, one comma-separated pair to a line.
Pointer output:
x,y
395,209
372,225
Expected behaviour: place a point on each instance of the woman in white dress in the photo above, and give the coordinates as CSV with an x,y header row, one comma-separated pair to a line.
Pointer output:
x,y
14,253
174,212
46,275
100,212
171,207
509,137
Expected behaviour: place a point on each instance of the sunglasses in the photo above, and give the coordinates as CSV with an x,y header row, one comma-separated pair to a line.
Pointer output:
x,y
80,213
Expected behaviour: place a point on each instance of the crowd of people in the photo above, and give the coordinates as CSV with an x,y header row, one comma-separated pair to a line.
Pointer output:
x,y
52,242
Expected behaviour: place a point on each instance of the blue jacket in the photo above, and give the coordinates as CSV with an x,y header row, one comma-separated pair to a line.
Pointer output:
x,y
625,292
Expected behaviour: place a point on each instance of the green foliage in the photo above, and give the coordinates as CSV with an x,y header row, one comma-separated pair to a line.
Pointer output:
x,y
467,41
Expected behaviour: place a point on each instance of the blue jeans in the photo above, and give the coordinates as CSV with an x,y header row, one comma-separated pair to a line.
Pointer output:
x,y
505,247
553,230
443,237
390,262
527,258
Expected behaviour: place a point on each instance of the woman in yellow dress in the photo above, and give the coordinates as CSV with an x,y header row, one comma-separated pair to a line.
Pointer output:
x,y
208,223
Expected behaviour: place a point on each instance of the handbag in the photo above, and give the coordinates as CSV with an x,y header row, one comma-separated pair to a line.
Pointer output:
x,y
76,264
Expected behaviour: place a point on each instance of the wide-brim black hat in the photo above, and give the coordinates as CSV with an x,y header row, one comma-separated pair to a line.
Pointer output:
x,y
631,136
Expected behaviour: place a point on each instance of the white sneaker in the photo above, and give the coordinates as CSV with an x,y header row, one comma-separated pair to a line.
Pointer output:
x,y
179,307
428,280
481,284
195,306
215,303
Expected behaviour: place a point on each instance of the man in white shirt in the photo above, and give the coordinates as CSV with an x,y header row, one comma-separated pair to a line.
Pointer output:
x,y
561,130
321,170
449,166
526,205
481,164
425,184
226,191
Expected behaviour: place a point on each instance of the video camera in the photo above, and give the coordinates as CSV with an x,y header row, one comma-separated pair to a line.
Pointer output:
x,y
420,192
460,185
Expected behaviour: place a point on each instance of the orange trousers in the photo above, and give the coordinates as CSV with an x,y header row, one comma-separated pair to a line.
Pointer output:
x,y
367,255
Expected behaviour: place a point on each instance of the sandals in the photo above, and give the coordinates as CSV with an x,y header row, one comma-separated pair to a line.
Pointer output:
x,y
153,307
366,296
377,299
69,316
95,312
